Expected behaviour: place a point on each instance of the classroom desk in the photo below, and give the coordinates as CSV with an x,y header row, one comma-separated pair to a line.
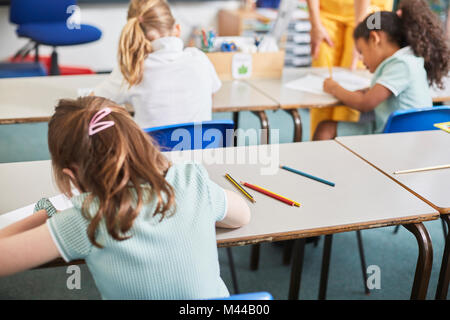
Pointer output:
x,y
362,199
290,100
33,99
401,151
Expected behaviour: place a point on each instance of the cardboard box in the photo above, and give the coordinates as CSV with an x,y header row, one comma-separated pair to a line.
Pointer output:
x,y
265,65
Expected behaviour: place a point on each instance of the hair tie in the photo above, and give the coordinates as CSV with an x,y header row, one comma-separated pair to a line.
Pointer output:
x,y
96,126
140,19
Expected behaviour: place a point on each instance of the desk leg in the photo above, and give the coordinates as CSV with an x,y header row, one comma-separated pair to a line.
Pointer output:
x,y
297,125
424,261
296,269
325,266
236,126
264,126
444,275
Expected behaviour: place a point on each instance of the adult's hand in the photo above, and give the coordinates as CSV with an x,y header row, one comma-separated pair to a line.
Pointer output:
x,y
318,35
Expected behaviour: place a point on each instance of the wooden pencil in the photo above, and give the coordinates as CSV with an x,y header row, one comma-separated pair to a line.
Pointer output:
x,y
445,166
271,194
237,185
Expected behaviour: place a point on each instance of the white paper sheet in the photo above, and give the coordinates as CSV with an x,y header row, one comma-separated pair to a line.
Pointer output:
x,y
313,83
60,202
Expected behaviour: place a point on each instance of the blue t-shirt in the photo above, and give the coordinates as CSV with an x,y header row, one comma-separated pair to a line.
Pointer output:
x,y
404,75
175,258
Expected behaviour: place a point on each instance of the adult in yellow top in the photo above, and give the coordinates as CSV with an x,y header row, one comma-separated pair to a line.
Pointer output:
x,y
332,24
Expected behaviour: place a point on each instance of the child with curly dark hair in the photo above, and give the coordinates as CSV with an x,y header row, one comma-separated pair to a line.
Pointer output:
x,y
407,51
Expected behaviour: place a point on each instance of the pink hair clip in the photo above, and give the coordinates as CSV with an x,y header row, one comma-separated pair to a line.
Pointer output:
x,y
96,126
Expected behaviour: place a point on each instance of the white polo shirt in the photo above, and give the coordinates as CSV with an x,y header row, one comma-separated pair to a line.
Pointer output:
x,y
177,86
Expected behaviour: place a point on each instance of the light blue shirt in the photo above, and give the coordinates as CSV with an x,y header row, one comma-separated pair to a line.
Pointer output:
x,y
175,258
404,75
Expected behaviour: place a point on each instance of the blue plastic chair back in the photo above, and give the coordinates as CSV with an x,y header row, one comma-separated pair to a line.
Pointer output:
x,y
263,295
32,11
417,119
194,135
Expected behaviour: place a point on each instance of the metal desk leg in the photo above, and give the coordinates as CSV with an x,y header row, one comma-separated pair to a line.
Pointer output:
x,y
424,261
265,136
236,126
444,275
325,266
296,270
297,125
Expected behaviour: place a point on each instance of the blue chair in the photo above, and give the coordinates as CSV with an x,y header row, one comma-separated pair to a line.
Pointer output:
x,y
263,295
197,135
417,119
421,119
194,135
21,69
45,22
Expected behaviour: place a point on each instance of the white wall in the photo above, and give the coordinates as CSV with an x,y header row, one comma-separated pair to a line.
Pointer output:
x,y
101,55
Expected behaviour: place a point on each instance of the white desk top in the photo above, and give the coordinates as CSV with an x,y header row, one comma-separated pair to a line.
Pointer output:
x,y
34,99
293,99
363,197
411,150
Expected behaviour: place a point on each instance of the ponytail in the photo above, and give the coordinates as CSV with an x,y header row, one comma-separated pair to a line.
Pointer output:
x,y
425,34
134,47
417,27
146,18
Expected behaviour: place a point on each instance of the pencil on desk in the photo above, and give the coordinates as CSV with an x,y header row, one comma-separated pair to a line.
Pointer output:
x,y
445,166
307,175
240,188
271,194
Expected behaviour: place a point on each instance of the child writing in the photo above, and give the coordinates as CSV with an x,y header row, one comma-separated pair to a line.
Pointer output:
x,y
403,50
164,83
144,226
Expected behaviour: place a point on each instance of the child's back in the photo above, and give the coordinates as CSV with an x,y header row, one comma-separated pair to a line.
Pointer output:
x,y
164,83
176,87
175,258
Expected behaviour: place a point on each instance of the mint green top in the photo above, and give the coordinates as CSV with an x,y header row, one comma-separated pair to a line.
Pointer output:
x,y
172,259
404,75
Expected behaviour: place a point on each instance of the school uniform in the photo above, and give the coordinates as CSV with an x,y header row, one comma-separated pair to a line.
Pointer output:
x,y
405,76
175,258
177,86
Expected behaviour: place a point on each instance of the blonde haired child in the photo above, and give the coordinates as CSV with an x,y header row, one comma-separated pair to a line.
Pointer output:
x,y
144,226
164,83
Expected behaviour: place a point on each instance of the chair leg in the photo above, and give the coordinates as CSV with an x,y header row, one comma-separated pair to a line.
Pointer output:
x,y
233,270
54,68
254,257
287,251
363,261
444,229
396,229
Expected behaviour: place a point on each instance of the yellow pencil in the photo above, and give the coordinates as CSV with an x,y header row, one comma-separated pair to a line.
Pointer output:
x,y
330,67
240,188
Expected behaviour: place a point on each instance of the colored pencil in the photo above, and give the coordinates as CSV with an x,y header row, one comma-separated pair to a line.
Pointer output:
x,y
308,175
237,185
271,194
330,67
445,166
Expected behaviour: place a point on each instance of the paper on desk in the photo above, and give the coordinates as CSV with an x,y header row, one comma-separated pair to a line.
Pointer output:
x,y
61,202
314,83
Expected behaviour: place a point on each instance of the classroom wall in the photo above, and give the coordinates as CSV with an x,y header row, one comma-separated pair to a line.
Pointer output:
x,y
110,18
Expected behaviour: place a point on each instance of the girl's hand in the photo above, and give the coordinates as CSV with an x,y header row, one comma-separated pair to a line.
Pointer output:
x,y
329,85
319,34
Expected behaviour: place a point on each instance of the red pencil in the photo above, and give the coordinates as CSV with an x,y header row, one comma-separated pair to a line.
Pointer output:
x,y
271,194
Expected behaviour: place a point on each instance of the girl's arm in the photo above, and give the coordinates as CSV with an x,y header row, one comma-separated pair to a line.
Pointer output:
x,y
26,250
30,222
238,212
363,101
